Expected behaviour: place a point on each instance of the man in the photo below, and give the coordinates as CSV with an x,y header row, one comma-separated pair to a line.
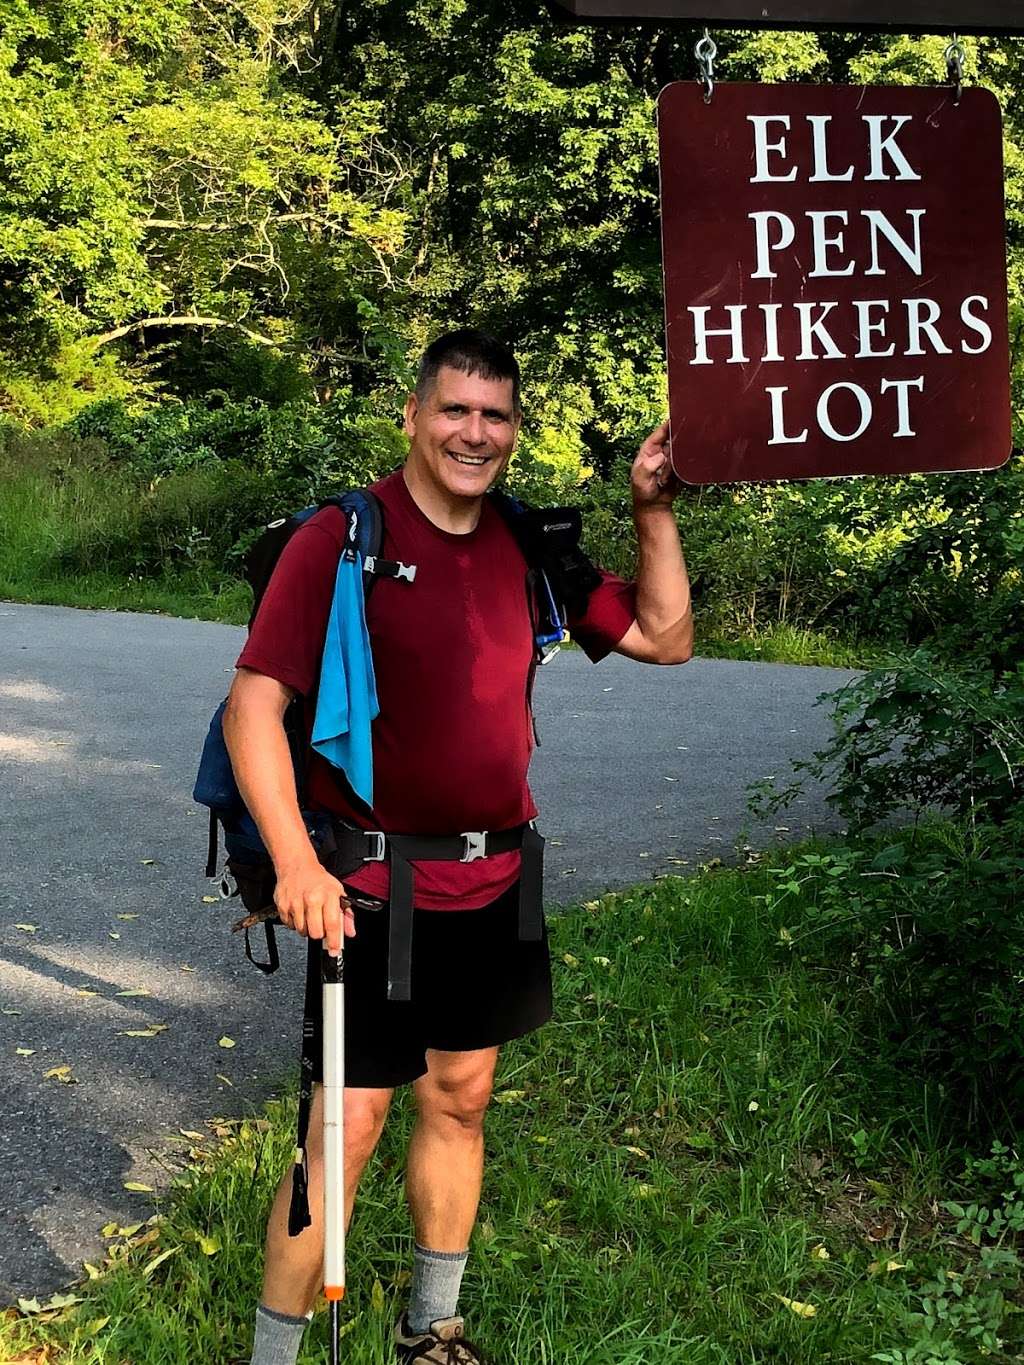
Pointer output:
x,y
453,657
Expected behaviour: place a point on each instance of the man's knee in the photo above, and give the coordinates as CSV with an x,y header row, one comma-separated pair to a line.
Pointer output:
x,y
365,1112
457,1096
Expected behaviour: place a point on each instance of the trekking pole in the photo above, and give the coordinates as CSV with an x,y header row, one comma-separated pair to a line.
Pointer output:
x,y
333,971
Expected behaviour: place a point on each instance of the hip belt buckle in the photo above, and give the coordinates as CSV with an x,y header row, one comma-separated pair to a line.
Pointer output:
x,y
378,846
474,845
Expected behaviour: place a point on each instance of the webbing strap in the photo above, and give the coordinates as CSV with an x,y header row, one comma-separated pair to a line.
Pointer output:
x,y
298,1210
273,958
531,887
400,922
212,845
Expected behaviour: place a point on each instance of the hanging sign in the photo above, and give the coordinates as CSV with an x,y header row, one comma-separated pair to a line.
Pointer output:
x,y
835,281
909,16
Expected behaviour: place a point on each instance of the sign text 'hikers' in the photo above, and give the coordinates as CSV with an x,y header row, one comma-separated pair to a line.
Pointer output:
x,y
835,280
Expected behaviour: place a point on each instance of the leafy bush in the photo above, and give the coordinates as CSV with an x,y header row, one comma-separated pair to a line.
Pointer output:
x,y
928,932
919,735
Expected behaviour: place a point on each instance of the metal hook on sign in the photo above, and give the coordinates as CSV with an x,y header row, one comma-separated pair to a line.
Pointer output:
x,y
706,50
956,56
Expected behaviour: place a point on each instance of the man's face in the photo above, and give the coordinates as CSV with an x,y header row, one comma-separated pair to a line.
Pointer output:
x,y
463,433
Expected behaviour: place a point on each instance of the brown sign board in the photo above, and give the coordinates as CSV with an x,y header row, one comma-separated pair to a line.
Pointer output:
x,y
907,16
835,280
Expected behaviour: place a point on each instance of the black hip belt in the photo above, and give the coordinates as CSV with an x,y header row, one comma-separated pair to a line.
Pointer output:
x,y
354,847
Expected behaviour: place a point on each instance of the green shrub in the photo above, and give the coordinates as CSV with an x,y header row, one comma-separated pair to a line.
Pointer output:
x,y
920,735
199,517
928,934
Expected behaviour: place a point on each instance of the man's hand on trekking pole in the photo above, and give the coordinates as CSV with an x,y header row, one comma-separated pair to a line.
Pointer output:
x,y
314,904
653,479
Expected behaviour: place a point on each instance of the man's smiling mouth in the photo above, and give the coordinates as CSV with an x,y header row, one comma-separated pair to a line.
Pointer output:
x,y
472,461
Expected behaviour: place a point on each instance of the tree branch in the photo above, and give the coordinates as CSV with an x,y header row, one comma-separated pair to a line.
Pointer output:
x,y
183,320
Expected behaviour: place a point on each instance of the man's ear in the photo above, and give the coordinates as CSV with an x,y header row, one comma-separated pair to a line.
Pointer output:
x,y
412,407
518,429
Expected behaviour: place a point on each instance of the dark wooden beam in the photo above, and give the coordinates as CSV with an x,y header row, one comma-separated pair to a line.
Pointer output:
x,y
906,16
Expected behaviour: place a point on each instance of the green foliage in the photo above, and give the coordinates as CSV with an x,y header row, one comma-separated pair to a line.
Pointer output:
x,y
283,206
916,736
929,931
933,925
962,1316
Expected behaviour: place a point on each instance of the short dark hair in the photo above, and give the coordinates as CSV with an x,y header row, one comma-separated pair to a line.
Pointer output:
x,y
470,352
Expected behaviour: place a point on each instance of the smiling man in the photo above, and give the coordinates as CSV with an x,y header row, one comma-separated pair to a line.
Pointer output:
x,y
453,655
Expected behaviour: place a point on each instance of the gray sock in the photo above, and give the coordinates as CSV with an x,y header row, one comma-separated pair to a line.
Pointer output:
x,y
278,1337
436,1281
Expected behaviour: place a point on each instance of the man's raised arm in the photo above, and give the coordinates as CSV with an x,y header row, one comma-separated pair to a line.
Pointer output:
x,y
663,630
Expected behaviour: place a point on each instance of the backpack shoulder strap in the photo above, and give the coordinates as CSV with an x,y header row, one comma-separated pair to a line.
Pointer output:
x,y
549,538
366,535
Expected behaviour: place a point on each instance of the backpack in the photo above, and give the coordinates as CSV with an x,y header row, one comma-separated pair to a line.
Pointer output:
x,y
559,581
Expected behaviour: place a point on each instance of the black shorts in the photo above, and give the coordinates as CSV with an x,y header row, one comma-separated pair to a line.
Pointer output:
x,y
474,985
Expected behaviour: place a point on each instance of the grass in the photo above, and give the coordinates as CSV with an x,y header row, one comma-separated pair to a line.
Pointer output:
x,y
709,1129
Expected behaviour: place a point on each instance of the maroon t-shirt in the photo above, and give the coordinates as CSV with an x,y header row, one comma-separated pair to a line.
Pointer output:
x,y
451,653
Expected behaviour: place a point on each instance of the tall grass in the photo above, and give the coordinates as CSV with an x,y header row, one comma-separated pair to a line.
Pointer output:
x,y
69,521
709,1158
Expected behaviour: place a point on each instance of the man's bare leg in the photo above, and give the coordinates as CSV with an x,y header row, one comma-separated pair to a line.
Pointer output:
x,y
293,1269
445,1173
446,1150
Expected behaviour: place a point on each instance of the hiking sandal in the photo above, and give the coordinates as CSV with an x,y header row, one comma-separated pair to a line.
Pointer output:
x,y
444,1344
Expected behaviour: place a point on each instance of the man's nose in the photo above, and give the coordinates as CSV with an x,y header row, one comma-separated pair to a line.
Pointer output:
x,y
473,432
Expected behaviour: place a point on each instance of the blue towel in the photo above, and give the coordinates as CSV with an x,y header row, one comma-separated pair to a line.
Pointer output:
x,y
347,700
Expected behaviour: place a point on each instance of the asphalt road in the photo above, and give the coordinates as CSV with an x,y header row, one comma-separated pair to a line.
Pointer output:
x,y
102,717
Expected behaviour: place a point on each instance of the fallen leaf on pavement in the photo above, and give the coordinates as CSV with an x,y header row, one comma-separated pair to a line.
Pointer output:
x,y
127,917
138,990
137,1187
59,1073
27,928
225,1080
113,935
225,1041
25,1051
